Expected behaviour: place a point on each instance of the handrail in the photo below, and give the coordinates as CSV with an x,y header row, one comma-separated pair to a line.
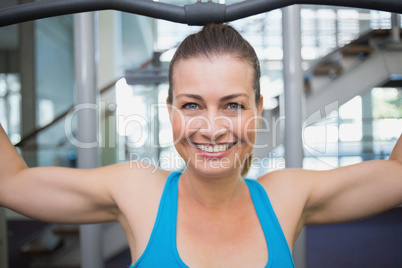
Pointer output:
x,y
199,13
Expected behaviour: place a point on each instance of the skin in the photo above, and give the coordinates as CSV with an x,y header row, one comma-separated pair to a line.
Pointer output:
x,y
215,208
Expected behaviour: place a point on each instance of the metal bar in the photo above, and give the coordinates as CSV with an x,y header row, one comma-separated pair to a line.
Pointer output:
x,y
294,86
248,8
28,75
396,27
294,105
87,96
51,8
198,13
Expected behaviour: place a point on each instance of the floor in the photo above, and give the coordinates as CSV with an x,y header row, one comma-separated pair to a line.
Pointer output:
x,y
375,243
20,231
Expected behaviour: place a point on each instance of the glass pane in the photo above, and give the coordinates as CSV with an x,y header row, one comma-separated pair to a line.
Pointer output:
x,y
348,25
3,85
3,117
10,105
387,113
13,83
380,19
14,116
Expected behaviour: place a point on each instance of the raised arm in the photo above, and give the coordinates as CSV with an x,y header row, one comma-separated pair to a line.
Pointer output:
x,y
354,192
55,194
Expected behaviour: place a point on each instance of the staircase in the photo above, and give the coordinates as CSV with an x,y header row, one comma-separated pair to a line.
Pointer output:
x,y
373,60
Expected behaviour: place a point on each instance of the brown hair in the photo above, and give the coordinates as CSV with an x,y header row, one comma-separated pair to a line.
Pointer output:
x,y
215,40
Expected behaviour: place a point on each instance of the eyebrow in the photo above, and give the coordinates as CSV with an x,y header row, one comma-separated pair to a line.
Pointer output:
x,y
224,98
193,96
233,96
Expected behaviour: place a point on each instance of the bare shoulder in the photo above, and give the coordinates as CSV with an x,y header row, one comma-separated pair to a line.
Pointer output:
x,y
287,180
136,189
290,186
133,178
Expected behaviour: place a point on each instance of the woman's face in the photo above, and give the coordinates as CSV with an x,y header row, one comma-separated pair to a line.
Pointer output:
x,y
214,113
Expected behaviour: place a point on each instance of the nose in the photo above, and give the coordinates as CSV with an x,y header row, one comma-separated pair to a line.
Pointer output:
x,y
215,126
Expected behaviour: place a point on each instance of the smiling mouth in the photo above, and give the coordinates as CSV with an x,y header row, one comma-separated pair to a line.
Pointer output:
x,y
214,148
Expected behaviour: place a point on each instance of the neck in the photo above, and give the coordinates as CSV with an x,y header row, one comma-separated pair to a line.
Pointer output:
x,y
210,192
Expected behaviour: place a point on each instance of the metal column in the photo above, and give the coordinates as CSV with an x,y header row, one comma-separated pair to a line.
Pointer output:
x,y
294,104
367,127
396,27
27,60
87,93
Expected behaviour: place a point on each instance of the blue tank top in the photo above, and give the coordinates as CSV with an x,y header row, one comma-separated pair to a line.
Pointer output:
x,y
161,250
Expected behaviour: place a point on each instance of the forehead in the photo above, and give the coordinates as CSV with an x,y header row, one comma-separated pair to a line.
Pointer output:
x,y
219,75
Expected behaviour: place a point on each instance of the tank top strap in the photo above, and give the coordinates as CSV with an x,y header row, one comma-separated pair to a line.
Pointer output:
x,y
278,249
161,250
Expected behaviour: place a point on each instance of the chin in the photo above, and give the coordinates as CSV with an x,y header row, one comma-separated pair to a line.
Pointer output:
x,y
214,168
217,173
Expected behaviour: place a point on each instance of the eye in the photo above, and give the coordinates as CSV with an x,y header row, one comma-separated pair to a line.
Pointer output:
x,y
190,106
235,106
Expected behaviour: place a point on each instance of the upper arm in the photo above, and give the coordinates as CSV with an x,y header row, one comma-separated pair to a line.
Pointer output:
x,y
352,192
64,195
301,197
59,194
67,195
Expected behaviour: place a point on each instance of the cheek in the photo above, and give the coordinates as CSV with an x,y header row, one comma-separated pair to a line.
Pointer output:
x,y
248,129
184,126
194,123
178,125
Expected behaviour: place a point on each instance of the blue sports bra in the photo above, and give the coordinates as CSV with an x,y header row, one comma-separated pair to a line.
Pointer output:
x,y
161,250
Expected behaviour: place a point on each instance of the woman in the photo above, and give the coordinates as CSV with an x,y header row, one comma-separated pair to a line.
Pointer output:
x,y
207,216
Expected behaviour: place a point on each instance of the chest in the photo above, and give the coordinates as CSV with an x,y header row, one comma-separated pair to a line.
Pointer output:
x,y
231,238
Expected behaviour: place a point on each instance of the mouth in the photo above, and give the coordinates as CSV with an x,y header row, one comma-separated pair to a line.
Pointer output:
x,y
214,148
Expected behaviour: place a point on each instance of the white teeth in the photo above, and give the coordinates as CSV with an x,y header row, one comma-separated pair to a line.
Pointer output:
x,y
213,149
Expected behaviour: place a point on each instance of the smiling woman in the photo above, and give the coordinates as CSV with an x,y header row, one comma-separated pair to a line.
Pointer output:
x,y
208,215
213,124
220,57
